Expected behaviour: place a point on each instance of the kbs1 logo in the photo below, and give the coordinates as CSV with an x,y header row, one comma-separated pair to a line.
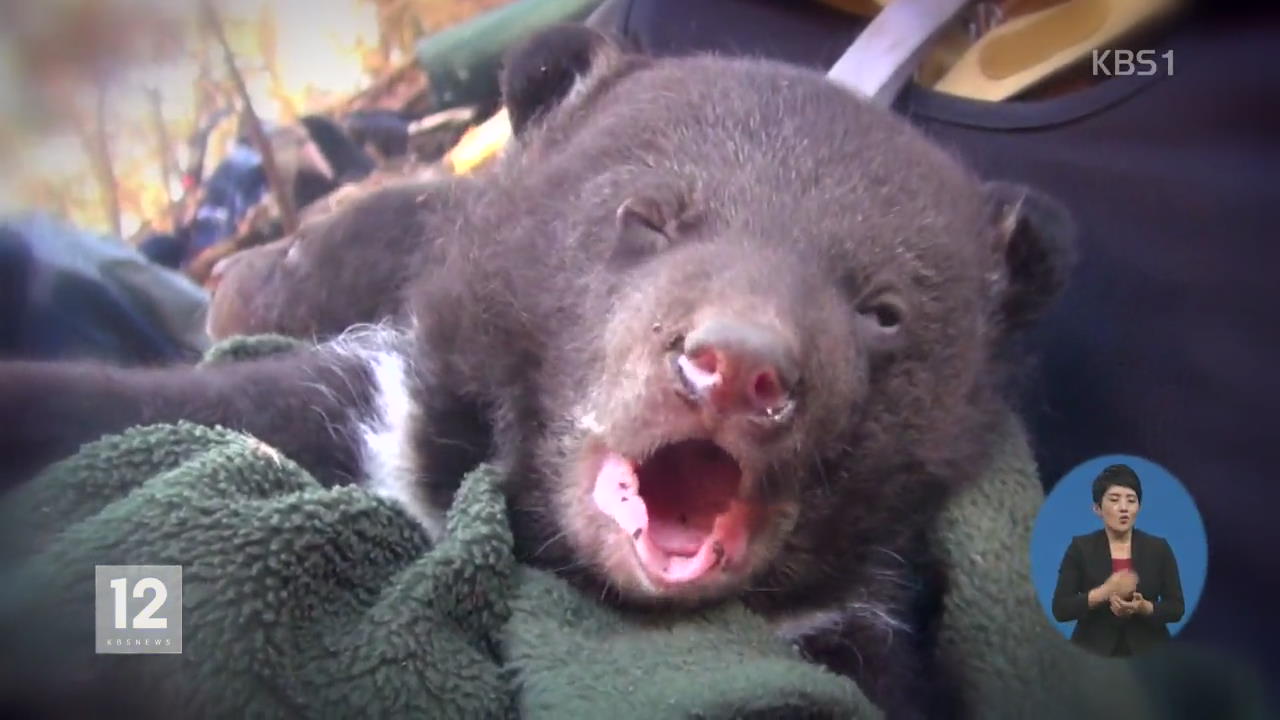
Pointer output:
x,y
138,609
1122,63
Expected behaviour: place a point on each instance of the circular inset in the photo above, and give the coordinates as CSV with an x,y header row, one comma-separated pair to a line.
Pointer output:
x,y
1122,574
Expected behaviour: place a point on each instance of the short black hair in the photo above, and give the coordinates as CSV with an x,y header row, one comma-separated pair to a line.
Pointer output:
x,y
1118,474
164,249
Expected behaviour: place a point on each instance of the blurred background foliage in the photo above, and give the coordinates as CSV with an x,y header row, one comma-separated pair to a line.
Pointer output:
x,y
100,99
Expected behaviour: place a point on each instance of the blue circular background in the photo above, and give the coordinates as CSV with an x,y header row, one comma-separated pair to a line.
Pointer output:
x,y
1167,511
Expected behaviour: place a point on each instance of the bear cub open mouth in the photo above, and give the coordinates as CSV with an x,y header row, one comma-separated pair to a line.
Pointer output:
x,y
682,507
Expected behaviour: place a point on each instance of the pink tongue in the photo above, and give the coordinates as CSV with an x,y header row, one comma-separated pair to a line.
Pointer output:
x,y
617,493
681,538
674,547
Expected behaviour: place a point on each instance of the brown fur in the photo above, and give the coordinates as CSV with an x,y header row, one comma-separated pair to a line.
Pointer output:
x,y
790,216
338,270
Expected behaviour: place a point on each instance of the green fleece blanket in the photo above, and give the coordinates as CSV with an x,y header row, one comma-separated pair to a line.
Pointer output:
x,y
304,601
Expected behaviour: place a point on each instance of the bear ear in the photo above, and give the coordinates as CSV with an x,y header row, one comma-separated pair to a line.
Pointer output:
x,y
1035,251
540,72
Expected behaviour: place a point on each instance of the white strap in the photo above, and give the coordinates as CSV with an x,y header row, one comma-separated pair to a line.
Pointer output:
x,y
886,53
608,16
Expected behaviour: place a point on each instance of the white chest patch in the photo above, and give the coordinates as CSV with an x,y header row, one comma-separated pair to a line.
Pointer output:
x,y
388,460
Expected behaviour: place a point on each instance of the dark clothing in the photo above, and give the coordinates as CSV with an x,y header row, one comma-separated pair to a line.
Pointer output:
x,y
17,264
164,249
1165,344
66,293
236,185
347,160
385,130
1087,564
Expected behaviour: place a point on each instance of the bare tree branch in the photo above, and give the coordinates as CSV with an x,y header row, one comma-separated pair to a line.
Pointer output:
x,y
284,200
93,136
164,153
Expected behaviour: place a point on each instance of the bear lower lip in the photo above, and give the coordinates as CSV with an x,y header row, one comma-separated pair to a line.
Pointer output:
x,y
681,507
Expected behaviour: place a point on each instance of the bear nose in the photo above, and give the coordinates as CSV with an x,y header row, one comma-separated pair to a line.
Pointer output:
x,y
735,365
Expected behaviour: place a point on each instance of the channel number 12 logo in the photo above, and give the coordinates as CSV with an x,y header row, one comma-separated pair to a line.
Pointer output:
x,y
138,609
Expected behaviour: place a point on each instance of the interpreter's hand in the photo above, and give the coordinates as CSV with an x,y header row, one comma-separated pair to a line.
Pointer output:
x,y
1123,583
1144,606
1127,608
1118,607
